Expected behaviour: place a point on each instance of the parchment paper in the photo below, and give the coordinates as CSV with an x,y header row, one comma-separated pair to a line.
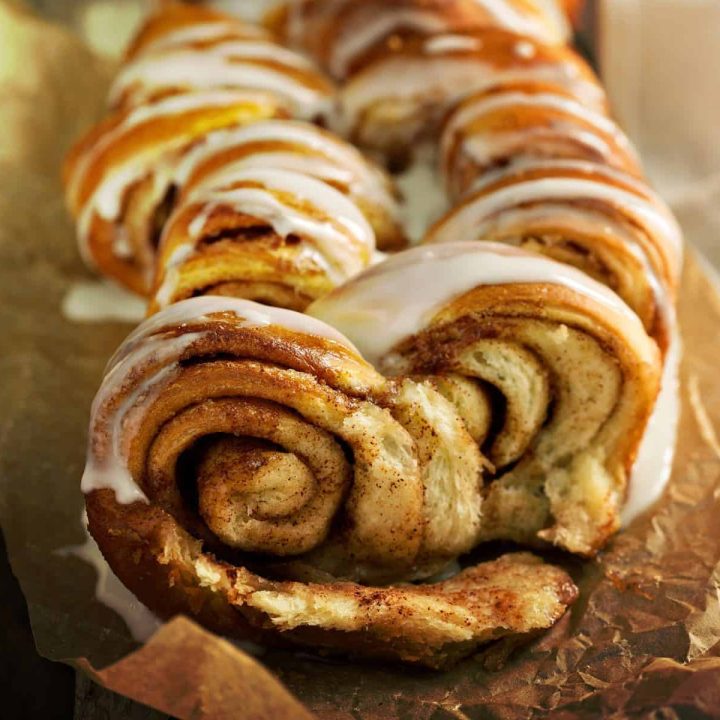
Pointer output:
x,y
644,638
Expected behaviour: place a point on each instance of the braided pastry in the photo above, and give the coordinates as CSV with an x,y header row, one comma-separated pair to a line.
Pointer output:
x,y
316,479
168,140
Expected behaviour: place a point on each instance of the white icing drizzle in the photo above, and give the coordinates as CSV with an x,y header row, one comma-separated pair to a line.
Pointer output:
x,y
106,200
469,219
327,158
423,198
95,301
402,79
440,44
178,104
327,219
171,273
654,462
583,166
524,49
203,32
112,472
401,295
232,64
121,246
200,309
484,151
140,621
149,344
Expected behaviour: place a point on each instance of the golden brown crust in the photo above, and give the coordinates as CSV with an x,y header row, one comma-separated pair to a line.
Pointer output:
x,y
431,625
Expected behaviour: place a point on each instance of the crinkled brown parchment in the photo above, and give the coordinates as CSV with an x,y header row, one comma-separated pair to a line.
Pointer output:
x,y
644,638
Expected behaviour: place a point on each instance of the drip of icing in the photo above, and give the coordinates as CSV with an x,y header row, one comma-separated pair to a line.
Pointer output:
x,y
230,65
164,295
121,246
140,621
147,344
93,301
654,462
326,217
423,198
402,294
524,49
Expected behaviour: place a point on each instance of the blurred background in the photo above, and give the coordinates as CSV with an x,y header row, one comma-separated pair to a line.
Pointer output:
x,y
658,58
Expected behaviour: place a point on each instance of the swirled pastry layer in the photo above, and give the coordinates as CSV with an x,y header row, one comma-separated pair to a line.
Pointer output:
x,y
513,123
563,376
248,467
274,236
